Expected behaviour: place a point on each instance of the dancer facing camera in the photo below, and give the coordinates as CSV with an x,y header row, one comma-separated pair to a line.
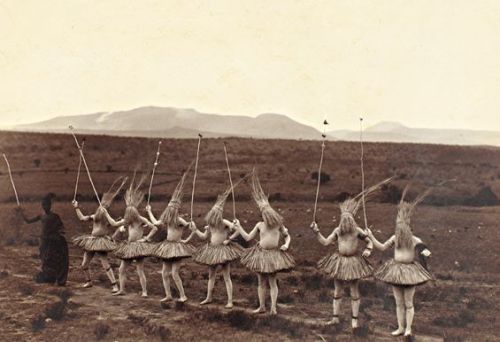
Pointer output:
x,y
53,245
403,272
266,258
137,247
98,242
220,251
346,266
173,250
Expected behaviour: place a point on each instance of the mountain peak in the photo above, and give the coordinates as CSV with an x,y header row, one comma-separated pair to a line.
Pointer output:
x,y
386,126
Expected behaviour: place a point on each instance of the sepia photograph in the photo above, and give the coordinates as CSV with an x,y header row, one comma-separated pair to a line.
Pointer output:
x,y
231,170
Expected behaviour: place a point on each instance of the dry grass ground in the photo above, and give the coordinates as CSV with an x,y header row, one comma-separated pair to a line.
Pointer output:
x,y
460,305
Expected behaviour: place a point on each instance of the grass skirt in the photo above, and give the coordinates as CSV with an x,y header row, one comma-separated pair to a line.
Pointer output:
x,y
129,250
92,243
345,267
261,260
172,250
216,255
398,273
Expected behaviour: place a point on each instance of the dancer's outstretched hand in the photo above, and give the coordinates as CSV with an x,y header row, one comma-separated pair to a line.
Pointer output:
x,y
226,242
74,203
284,248
366,253
148,207
369,232
236,222
142,240
314,227
426,253
192,226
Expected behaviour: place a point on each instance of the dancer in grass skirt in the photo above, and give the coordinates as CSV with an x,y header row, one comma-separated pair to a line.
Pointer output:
x,y
98,242
137,247
266,258
403,272
345,265
173,250
220,251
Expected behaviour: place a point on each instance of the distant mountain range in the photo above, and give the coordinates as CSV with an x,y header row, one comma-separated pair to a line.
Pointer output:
x,y
171,122
179,123
395,132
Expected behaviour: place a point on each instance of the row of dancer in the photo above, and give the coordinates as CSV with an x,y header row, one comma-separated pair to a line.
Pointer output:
x,y
266,258
345,265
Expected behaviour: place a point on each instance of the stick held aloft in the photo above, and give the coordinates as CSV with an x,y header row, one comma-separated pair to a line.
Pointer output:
x,y
11,179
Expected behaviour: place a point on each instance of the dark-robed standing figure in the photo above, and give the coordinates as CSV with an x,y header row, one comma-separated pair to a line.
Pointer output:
x,y
53,245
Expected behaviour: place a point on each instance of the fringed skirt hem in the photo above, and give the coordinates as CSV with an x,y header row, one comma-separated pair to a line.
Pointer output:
x,y
130,250
345,267
173,250
92,243
260,260
216,255
398,273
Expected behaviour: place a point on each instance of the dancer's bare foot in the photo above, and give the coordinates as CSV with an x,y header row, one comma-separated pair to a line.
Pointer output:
x,y
229,305
115,289
273,311
119,293
87,285
397,332
354,323
166,299
407,332
144,294
259,310
182,299
206,301
333,321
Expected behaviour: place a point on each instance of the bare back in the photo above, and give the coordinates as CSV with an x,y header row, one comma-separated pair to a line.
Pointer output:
x,y
402,254
269,237
135,231
348,242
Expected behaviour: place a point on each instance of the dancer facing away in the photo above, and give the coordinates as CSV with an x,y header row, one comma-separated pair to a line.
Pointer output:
x,y
346,266
98,242
173,250
403,272
266,258
220,251
53,245
136,248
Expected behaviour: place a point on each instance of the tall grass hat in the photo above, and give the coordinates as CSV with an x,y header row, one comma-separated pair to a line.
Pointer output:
x,y
270,216
171,212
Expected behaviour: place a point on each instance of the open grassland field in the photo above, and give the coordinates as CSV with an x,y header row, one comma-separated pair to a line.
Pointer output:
x,y
459,223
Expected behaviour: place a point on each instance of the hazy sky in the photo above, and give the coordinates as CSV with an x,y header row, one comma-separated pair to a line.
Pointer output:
x,y
423,63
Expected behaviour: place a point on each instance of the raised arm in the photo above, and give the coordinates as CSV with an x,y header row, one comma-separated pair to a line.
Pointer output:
x,y
231,227
362,235
378,245
153,230
26,219
324,241
288,238
244,234
79,213
112,221
194,230
152,218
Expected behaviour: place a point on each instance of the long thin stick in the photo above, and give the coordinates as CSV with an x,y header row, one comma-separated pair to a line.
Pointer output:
x,y
319,169
195,174
362,171
85,164
11,179
153,172
78,174
230,180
